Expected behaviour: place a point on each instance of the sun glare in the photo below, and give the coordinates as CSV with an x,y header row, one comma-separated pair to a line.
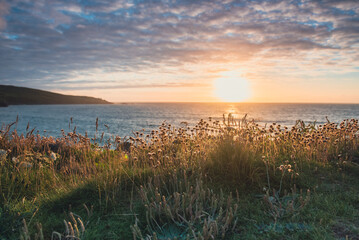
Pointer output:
x,y
231,87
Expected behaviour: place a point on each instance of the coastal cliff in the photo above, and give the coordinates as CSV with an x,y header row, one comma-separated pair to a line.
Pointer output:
x,y
12,95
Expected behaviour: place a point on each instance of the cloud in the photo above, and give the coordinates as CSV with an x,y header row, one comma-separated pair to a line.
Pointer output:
x,y
112,86
48,41
4,10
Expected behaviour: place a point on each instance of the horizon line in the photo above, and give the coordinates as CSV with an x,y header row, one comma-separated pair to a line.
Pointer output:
x,y
136,102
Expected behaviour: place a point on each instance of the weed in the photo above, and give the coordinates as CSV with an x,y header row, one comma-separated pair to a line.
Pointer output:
x,y
168,182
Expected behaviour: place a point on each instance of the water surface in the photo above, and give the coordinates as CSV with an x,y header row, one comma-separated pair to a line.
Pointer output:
x,y
123,119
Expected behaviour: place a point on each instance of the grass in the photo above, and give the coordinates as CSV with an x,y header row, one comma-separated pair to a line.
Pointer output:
x,y
229,179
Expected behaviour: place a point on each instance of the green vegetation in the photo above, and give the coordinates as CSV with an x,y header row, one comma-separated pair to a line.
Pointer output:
x,y
217,180
11,95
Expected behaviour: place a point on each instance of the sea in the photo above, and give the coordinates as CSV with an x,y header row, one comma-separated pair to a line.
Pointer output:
x,y
127,118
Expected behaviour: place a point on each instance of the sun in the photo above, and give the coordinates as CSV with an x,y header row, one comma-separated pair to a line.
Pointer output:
x,y
231,87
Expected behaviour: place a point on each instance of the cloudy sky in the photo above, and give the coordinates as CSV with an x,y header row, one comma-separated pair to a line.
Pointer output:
x,y
284,51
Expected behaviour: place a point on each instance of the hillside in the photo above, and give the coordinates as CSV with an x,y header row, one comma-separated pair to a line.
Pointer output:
x,y
11,95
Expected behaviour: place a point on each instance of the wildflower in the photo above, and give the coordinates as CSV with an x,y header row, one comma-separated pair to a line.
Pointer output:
x,y
3,154
15,160
53,156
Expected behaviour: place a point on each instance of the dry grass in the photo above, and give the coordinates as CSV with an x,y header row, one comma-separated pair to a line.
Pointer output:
x,y
175,173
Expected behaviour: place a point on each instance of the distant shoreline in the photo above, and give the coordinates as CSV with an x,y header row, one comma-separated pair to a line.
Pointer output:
x,y
12,95
46,104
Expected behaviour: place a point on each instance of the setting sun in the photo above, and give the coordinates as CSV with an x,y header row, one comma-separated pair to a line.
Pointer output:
x,y
231,87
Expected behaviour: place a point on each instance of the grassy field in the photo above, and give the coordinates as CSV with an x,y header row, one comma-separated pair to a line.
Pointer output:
x,y
229,179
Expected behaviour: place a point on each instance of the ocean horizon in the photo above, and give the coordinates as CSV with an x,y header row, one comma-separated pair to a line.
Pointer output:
x,y
122,119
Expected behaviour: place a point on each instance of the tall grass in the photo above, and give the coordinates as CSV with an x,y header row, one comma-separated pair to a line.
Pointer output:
x,y
172,175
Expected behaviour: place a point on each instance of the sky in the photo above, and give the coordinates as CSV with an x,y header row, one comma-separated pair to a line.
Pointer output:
x,y
184,50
